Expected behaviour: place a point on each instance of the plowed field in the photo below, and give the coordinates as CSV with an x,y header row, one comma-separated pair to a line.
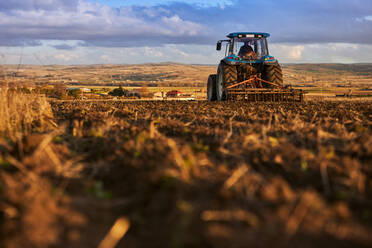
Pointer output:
x,y
192,174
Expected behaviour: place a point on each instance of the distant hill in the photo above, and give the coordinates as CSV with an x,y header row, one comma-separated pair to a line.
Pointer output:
x,y
174,74
364,69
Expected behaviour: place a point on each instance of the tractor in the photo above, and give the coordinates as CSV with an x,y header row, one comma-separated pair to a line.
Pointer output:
x,y
249,72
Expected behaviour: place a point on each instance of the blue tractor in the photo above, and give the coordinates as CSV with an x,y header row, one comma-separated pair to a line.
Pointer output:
x,y
249,72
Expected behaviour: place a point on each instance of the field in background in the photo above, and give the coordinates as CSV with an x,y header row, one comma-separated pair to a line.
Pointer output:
x,y
153,75
326,80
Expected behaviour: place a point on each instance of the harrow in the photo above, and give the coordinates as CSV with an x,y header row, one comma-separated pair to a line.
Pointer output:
x,y
253,90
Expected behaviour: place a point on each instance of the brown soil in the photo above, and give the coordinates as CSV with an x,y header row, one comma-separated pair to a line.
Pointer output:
x,y
192,174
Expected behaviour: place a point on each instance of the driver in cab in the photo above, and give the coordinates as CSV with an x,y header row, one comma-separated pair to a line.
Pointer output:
x,y
246,52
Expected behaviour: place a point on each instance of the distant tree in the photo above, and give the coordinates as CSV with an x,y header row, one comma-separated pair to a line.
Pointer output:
x,y
119,92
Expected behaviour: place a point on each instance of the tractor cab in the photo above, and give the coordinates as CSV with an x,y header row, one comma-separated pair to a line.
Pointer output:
x,y
246,48
249,48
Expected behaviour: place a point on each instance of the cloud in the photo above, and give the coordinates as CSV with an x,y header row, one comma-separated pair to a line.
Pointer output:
x,y
296,52
99,25
291,52
185,31
194,54
307,21
64,47
151,52
65,57
322,53
5,41
27,22
105,58
38,4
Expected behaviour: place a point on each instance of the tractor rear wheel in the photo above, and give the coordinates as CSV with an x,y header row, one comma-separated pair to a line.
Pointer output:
x,y
211,88
226,75
273,73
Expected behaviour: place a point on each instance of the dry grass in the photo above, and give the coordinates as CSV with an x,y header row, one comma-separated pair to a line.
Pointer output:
x,y
21,113
32,207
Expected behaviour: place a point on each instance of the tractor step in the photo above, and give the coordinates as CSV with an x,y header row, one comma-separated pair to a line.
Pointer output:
x,y
266,95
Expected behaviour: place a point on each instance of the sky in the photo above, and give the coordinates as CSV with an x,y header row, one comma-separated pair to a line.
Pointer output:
x,y
129,31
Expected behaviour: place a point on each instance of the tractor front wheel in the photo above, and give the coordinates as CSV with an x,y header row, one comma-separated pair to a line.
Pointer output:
x,y
226,75
211,88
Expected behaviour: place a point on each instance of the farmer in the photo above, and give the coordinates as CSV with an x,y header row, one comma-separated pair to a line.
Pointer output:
x,y
247,52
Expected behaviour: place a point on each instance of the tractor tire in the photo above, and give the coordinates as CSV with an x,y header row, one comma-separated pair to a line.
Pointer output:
x,y
226,75
211,88
273,73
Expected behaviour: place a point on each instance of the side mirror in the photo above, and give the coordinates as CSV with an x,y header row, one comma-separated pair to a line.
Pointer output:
x,y
219,46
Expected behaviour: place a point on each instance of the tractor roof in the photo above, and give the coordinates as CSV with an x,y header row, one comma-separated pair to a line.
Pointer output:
x,y
248,34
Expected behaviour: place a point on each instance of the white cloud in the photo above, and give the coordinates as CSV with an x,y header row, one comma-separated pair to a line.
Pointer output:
x,y
196,54
98,25
27,22
289,52
105,58
66,57
177,26
296,52
182,31
368,18
323,53
152,52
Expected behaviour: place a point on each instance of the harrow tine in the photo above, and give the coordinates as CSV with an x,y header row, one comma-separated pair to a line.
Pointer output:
x,y
266,95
